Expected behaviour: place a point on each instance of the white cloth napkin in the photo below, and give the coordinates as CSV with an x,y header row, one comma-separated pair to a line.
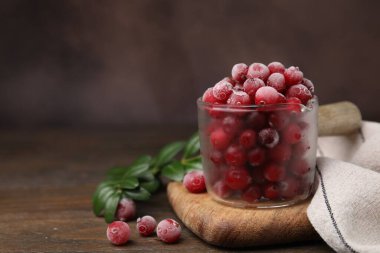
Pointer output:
x,y
345,209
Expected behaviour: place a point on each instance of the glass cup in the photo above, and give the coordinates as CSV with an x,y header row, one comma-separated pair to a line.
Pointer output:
x,y
259,156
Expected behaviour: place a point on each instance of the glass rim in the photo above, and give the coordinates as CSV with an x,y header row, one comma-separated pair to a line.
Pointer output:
x,y
306,107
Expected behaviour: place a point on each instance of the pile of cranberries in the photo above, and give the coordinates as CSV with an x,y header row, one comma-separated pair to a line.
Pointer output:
x,y
257,153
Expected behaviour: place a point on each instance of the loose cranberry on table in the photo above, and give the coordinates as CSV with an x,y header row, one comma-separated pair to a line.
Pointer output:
x,y
194,181
169,231
146,225
126,210
118,232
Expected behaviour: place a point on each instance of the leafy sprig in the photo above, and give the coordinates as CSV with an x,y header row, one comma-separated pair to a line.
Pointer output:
x,y
141,179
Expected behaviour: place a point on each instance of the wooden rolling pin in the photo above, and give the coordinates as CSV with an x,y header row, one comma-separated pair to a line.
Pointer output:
x,y
227,226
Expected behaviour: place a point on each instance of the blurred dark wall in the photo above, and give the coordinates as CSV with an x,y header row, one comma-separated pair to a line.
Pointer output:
x,y
120,63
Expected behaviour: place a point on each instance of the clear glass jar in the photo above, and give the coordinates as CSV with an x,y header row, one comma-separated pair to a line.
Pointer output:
x,y
260,155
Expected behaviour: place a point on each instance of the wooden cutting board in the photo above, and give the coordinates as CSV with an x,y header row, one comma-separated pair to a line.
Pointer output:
x,y
227,226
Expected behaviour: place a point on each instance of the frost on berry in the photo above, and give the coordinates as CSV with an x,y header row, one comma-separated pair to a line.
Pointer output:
x,y
239,72
126,209
222,90
146,225
276,67
239,98
169,231
269,137
277,81
194,181
266,95
118,232
293,76
299,91
258,70
251,85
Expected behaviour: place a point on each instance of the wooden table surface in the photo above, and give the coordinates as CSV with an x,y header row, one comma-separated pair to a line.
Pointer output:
x,y
47,179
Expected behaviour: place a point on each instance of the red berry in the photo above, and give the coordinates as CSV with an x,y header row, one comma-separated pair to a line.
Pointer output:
x,y
252,194
276,67
256,156
194,181
293,76
299,167
208,97
231,124
213,125
118,232
300,149
239,72
239,98
256,120
271,191
219,139
126,209
146,225
280,153
251,85
309,84
221,189
235,155
258,70
258,175
292,134
237,179
279,120
277,81
269,137
299,91
222,91
169,231
266,95
274,172
217,157
289,187
247,139
281,98
294,104
230,80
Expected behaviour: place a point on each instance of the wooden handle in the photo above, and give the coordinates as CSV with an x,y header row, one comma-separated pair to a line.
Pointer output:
x,y
339,119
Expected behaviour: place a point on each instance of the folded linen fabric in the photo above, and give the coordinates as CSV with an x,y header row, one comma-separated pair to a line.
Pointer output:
x,y
345,209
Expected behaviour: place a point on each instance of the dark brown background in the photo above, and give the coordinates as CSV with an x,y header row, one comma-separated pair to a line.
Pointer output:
x,y
135,62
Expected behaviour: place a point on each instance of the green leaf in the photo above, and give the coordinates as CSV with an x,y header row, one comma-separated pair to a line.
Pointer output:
x,y
195,164
151,186
139,167
147,176
139,194
192,146
100,197
169,152
110,208
129,183
174,171
116,172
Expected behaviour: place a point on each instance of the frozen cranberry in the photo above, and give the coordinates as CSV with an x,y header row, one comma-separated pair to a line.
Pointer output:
x,y
220,139
294,104
293,75
280,153
208,97
230,80
258,70
118,232
274,172
252,194
251,85
213,125
299,167
169,231
237,179
258,175
146,225
309,84
299,91
256,156
126,209
271,191
266,95
281,98
289,187
239,72
221,189
300,149
235,155
222,91
239,98
239,87
269,137
277,81
292,134
232,124
217,157
194,181
256,120
279,120
247,139
276,67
